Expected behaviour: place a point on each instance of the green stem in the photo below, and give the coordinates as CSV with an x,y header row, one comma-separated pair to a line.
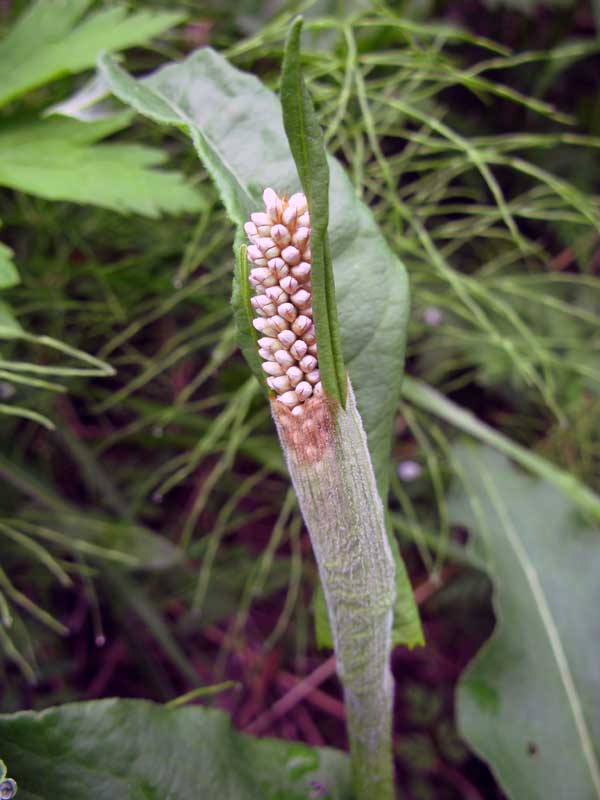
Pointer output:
x,y
328,460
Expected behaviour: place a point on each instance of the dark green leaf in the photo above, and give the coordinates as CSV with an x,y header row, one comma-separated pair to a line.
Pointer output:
x,y
306,143
136,750
530,701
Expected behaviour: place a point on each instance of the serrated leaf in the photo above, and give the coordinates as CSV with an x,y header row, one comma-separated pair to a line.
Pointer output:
x,y
139,750
306,143
530,701
57,159
8,272
236,126
51,38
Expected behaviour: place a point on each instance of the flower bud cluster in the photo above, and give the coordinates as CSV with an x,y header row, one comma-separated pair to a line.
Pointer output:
x,y
281,277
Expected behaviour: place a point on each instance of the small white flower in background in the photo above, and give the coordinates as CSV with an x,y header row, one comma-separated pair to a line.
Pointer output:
x,y
409,470
432,316
280,254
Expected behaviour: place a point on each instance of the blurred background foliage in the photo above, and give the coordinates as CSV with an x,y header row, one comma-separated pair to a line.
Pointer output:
x,y
150,544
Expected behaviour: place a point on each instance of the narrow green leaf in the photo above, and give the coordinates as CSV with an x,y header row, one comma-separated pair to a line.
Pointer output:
x,y
529,702
134,749
306,143
50,39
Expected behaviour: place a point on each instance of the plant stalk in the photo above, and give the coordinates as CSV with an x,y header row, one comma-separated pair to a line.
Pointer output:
x,y
328,460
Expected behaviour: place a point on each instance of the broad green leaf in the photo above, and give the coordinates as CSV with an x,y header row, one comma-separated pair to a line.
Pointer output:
x,y
530,701
236,125
8,272
52,38
137,750
57,158
308,149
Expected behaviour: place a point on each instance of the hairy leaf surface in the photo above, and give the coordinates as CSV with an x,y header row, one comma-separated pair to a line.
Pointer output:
x,y
530,701
136,749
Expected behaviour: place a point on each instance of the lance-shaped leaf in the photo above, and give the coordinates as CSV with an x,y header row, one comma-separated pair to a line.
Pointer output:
x,y
306,143
530,701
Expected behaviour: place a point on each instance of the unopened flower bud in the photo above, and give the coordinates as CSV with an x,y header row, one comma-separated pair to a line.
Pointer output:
x,y
272,368
289,216
289,399
251,231
268,247
276,294
279,268
280,235
289,284
291,255
302,271
256,256
298,410
309,335
295,375
265,354
273,203
318,390
269,343
308,363
288,311
258,275
264,326
304,219
304,390
284,358
301,298
301,325
313,377
298,200
259,218
301,237
278,323
281,384
286,339
299,349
